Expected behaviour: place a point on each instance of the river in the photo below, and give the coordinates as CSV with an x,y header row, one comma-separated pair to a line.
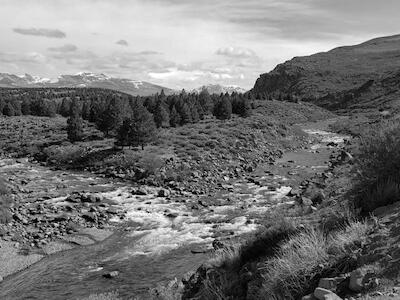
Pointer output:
x,y
153,244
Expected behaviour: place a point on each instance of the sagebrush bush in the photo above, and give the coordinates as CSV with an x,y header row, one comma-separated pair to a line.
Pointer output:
x,y
69,154
377,167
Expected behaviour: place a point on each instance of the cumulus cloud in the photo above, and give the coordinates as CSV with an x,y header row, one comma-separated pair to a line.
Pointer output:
x,y
50,33
122,43
65,48
236,52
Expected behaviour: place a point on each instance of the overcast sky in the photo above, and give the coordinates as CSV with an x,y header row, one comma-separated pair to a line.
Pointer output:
x,y
181,43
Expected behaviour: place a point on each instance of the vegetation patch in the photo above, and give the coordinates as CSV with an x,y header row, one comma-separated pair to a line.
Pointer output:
x,y
377,168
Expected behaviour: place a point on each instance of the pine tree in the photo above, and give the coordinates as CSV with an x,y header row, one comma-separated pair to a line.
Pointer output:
x,y
161,114
223,108
138,130
174,117
65,107
26,107
75,123
206,101
75,128
110,118
244,107
8,110
17,108
2,104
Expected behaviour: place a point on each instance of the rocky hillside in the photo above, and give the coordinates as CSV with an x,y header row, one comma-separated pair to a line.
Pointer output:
x,y
90,80
364,75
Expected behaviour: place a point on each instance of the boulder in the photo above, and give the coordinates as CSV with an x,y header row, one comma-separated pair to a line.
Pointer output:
x,y
356,280
139,192
362,278
324,294
330,283
163,193
111,274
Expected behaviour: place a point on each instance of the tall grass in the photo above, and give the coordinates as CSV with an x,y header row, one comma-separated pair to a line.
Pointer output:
x,y
289,274
378,167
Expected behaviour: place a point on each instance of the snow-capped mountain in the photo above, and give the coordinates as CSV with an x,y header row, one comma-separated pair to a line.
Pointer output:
x,y
218,89
84,79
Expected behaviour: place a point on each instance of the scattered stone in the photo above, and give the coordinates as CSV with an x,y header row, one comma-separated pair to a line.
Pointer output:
x,y
330,283
163,193
139,192
111,274
358,279
172,215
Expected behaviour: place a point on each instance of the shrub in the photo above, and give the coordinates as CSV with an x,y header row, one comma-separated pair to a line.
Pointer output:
x,y
69,154
377,168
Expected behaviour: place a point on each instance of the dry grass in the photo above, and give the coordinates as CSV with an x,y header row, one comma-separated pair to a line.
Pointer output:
x,y
288,274
378,168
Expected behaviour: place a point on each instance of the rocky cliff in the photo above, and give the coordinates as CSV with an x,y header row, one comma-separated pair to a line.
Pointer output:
x,y
368,73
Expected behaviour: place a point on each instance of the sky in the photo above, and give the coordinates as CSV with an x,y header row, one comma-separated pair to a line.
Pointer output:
x,y
181,43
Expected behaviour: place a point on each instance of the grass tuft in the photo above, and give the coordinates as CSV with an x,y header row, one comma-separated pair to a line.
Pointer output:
x,y
378,168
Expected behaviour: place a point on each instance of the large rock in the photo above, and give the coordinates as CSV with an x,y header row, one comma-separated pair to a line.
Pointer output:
x,y
330,283
324,294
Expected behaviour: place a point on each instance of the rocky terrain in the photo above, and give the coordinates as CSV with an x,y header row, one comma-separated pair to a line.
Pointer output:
x,y
84,80
360,76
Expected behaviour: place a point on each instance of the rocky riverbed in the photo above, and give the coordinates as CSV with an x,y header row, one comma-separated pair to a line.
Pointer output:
x,y
146,234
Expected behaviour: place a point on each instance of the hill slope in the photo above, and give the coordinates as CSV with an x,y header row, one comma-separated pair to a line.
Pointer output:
x,y
90,80
364,75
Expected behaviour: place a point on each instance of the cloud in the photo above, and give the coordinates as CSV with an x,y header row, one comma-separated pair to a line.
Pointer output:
x,y
122,43
65,48
50,33
236,52
28,57
149,52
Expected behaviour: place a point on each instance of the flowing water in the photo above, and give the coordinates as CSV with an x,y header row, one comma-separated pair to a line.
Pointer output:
x,y
153,244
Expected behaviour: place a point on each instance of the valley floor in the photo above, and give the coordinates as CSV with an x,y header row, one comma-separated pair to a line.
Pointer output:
x,y
155,224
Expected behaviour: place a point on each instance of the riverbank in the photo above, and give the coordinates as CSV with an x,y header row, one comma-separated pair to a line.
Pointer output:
x,y
236,210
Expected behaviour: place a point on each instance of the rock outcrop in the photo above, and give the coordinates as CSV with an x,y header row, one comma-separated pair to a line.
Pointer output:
x,y
364,74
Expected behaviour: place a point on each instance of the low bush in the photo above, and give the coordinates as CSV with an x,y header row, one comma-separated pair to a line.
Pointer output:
x,y
70,154
377,168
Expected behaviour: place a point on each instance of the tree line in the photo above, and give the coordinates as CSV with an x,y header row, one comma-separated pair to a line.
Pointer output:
x,y
131,120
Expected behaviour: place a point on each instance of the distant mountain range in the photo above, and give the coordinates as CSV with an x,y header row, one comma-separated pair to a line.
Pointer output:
x,y
218,89
84,79
361,76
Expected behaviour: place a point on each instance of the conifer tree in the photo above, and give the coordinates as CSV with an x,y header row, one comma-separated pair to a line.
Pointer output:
x,y
174,118
161,114
110,118
26,107
8,110
223,108
138,130
75,124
